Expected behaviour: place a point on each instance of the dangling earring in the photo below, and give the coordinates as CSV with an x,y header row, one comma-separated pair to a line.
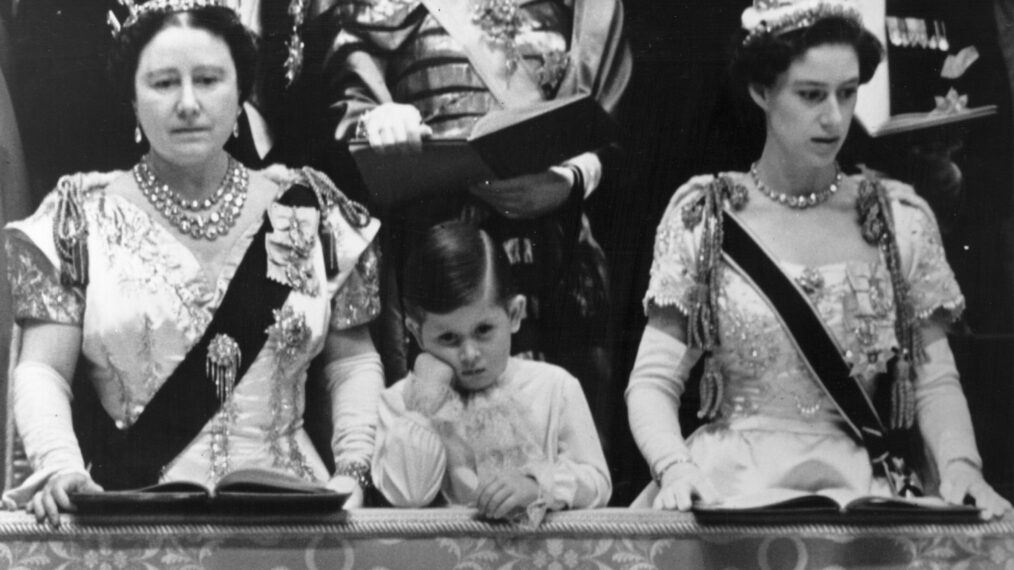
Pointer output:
x,y
138,137
235,129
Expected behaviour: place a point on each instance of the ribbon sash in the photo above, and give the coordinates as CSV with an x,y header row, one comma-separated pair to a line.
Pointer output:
x,y
817,346
511,89
134,457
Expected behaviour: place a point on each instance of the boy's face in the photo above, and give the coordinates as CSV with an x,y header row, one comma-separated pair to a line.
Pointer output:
x,y
475,339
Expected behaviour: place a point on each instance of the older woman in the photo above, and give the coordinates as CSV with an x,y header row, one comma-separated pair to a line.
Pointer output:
x,y
183,301
801,312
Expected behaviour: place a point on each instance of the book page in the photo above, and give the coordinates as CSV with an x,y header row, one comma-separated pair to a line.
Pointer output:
x,y
267,481
760,499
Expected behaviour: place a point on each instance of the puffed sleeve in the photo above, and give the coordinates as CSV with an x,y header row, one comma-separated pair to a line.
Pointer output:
x,y
579,477
673,267
934,291
34,272
358,300
409,462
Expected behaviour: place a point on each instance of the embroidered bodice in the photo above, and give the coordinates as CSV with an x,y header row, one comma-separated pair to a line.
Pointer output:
x,y
760,366
148,301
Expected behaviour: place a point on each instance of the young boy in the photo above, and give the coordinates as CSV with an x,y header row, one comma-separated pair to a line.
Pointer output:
x,y
510,437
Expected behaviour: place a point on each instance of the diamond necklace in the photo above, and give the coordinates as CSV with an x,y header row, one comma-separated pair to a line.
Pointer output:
x,y
801,201
225,204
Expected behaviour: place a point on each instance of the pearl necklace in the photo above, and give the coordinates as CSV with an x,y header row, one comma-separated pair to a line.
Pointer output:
x,y
225,204
800,202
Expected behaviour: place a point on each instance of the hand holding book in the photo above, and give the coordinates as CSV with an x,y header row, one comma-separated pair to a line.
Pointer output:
x,y
394,128
526,196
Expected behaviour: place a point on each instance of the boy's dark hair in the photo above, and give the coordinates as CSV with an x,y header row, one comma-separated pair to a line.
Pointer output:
x,y
448,269
767,56
219,21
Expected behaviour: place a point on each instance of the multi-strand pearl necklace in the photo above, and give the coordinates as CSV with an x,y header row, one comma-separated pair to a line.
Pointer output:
x,y
224,206
801,201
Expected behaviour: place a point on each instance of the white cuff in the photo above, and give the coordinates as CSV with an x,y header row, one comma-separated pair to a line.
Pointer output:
x,y
591,170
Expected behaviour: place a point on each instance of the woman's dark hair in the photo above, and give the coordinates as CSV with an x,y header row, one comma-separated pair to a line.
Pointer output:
x,y
217,20
767,56
448,269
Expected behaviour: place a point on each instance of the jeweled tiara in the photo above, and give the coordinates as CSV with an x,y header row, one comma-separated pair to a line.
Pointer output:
x,y
780,16
136,10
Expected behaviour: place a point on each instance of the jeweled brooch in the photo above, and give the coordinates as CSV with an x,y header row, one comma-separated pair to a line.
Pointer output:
x,y
290,333
222,364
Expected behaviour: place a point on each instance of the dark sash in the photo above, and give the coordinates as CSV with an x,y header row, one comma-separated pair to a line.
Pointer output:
x,y
135,457
816,345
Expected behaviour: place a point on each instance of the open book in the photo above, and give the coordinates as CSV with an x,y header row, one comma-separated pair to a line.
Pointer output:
x,y
243,490
781,506
503,144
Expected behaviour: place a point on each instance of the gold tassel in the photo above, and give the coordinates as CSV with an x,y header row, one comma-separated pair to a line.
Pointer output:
x,y
711,389
70,234
329,244
902,395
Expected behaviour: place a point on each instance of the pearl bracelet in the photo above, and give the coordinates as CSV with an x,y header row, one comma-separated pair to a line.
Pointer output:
x,y
360,471
676,460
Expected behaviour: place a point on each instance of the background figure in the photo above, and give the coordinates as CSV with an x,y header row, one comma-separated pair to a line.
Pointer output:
x,y
393,66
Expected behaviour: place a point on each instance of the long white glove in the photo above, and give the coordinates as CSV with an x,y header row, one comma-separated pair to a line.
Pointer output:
x,y
354,384
653,398
42,414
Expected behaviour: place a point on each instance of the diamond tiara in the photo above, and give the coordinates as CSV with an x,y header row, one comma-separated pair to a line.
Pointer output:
x,y
137,10
781,16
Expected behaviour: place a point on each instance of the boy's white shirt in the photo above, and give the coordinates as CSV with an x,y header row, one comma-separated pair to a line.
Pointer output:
x,y
418,456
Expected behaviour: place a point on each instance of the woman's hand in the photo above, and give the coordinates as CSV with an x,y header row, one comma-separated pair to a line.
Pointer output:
x,y
505,493
393,128
345,484
526,196
48,501
961,479
681,483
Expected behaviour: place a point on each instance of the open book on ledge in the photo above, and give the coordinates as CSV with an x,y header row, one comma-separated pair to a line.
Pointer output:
x,y
243,490
503,143
782,506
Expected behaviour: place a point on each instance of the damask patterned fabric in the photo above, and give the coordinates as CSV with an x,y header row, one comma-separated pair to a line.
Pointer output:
x,y
149,300
771,405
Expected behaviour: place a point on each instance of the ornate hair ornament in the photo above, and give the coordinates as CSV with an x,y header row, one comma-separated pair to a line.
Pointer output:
x,y
136,10
777,17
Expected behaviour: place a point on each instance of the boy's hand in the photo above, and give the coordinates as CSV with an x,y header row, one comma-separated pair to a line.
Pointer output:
x,y
505,493
431,385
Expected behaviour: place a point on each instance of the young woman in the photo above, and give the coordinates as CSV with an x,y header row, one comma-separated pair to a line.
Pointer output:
x,y
862,255
183,301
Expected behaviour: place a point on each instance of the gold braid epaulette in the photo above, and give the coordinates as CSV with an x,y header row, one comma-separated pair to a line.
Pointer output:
x,y
70,232
702,301
876,222
329,197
